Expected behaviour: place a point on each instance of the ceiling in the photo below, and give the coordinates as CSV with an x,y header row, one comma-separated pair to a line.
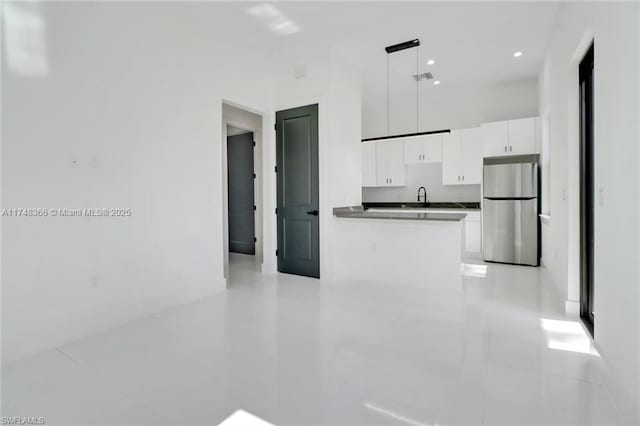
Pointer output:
x,y
471,42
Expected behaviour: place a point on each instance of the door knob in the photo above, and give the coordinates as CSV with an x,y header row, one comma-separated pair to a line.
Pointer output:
x,y
313,212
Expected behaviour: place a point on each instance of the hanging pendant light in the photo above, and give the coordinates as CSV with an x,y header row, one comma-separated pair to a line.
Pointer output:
x,y
396,48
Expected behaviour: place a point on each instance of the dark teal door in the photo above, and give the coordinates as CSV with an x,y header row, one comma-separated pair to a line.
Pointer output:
x,y
298,196
242,228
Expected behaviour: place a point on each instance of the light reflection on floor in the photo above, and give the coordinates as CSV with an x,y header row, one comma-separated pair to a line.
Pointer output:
x,y
475,271
243,418
567,336
398,417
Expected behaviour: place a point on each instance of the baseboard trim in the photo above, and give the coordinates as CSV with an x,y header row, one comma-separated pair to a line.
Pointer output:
x,y
572,308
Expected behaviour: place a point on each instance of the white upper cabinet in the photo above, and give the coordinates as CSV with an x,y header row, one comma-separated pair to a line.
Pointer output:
x,y
471,156
432,148
495,138
462,157
368,164
522,136
423,149
383,163
513,137
451,158
413,150
390,163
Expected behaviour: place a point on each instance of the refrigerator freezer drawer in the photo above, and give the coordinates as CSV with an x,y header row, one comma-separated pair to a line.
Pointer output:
x,y
516,180
510,231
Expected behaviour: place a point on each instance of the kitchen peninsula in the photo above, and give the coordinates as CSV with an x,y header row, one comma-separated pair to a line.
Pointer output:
x,y
401,246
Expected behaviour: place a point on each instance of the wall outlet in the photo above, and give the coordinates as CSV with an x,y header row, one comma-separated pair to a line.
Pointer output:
x,y
601,196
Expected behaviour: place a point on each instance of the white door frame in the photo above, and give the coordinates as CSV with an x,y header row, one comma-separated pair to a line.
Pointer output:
x,y
251,124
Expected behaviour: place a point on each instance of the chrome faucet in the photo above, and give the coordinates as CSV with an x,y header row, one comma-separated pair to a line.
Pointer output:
x,y
425,194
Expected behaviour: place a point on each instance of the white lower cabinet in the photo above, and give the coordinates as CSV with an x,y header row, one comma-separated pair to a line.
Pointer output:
x,y
383,163
473,233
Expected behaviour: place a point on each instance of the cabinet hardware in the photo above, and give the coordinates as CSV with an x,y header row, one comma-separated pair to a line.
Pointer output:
x,y
463,177
505,148
510,148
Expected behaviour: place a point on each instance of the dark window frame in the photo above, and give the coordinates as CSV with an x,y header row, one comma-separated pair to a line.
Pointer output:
x,y
587,190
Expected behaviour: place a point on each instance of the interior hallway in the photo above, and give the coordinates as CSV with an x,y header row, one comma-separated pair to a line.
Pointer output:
x,y
293,350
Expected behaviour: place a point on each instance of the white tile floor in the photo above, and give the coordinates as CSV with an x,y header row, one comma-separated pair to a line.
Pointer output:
x,y
297,351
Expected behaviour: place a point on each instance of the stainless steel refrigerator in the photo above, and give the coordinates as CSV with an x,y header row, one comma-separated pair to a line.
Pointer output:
x,y
511,230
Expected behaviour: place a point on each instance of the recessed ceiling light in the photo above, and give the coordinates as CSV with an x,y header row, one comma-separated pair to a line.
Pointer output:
x,y
517,54
435,83
431,62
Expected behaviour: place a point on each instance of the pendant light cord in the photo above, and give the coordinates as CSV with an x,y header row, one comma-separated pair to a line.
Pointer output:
x,y
417,90
387,94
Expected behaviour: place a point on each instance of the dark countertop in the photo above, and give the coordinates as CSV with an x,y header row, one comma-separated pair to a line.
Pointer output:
x,y
358,212
428,205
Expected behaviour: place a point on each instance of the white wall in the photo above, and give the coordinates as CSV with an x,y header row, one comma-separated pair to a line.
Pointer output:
x,y
429,176
127,113
614,26
445,107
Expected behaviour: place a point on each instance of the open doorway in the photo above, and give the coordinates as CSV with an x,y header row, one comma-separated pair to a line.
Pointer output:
x,y
586,81
240,186
242,207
